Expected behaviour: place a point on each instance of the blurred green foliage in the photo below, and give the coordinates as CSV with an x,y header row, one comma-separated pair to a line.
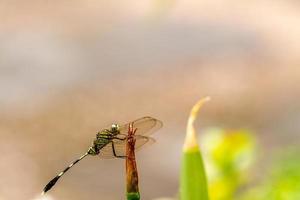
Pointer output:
x,y
224,167
282,180
229,160
228,155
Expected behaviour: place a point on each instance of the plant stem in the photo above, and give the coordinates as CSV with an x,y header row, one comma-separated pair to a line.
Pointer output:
x,y
132,180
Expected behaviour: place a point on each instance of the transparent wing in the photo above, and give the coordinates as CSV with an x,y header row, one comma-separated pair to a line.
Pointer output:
x,y
120,146
145,126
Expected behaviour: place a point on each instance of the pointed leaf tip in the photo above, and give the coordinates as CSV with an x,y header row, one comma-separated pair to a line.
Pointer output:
x,y
193,182
191,143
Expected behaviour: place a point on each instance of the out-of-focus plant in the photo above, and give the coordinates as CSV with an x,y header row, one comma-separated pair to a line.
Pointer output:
x,y
228,156
193,183
282,181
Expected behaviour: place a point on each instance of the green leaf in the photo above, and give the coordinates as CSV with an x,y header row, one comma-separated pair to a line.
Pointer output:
x,y
193,182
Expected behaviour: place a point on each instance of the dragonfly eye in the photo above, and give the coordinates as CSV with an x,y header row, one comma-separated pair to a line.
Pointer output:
x,y
114,127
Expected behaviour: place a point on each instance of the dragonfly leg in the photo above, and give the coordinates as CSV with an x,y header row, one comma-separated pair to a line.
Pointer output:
x,y
114,151
122,139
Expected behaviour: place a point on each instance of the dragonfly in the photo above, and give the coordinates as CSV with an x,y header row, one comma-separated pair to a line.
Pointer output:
x,y
111,142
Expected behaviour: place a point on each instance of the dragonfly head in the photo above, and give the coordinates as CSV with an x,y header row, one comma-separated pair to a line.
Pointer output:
x,y
115,128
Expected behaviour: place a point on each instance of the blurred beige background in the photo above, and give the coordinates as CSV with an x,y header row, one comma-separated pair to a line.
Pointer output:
x,y
69,68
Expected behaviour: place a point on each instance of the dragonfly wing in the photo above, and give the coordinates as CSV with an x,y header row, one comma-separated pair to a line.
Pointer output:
x,y
145,126
120,146
106,152
142,141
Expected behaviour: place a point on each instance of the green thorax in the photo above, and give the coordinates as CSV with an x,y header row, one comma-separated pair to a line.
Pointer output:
x,y
103,138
